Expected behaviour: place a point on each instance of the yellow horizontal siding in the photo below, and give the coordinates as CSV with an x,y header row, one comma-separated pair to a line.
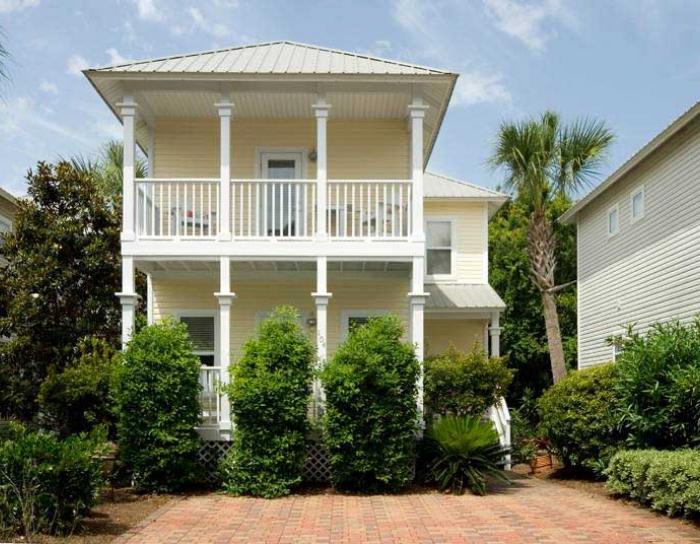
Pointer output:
x,y
463,334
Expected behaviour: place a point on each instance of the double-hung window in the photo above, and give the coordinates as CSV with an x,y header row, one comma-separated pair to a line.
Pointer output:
x,y
202,331
637,204
439,248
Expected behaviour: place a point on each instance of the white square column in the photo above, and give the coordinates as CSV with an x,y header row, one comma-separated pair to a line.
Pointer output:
x,y
128,112
495,334
416,112
225,108
128,299
417,298
321,109
321,297
225,297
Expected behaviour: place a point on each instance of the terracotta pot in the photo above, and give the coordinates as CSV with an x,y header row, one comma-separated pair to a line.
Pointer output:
x,y
542,462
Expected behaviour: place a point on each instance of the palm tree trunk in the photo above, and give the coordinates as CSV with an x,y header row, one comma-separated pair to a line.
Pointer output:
x,y
541,248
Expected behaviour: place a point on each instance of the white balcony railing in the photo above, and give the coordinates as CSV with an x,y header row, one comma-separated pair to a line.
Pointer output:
x,y
210,396
273,209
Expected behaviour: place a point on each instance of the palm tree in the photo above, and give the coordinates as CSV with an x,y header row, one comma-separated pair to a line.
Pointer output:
x,y
543,159
4,57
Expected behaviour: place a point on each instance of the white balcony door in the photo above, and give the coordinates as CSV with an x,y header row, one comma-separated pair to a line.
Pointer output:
x,y
281,197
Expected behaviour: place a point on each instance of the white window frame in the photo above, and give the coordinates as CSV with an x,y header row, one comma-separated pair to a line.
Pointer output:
x,y
637,191
282,153
178,314
436,278
616,209
346,315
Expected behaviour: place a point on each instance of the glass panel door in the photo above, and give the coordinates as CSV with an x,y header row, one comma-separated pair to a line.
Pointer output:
x,y
281,197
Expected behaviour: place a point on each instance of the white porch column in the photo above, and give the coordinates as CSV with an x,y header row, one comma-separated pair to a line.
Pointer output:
x,y
321,297
128,298
225,297
128,112
495,334
151,152
416,112
417,298
225,108
321,108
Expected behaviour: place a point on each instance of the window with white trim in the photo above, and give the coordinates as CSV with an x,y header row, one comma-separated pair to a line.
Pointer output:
x,y
439,247
637,205
352,319
613,220
202,331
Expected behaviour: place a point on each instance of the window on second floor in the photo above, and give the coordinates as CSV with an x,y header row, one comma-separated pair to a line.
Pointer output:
x,y
439,248
637,204
614,220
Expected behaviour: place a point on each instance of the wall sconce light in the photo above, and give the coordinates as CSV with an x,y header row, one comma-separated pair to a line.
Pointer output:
x,y
313,155
311,322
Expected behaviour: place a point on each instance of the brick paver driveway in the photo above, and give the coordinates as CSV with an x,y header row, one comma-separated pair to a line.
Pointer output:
x,y
530,511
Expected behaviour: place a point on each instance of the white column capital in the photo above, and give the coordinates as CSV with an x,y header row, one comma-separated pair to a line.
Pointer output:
x,y
322,299
418,298
127,107
225,108
417,109
225,299
321,107
128,298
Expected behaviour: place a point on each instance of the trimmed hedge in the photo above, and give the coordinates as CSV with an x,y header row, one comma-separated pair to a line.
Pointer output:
x,y
371,413
46,484
156,393
464,384
579,417
269,395
667,481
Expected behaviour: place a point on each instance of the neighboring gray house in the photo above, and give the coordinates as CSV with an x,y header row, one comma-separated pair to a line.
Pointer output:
x,y
8,208
639,241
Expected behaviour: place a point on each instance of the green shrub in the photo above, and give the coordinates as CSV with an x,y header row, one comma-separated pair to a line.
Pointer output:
x,y
371,412
269,395
659,386
464,383
47,484
467,450
78,398
667,481
579,417
157,406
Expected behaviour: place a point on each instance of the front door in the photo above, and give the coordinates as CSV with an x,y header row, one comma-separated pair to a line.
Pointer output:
x,y
280,198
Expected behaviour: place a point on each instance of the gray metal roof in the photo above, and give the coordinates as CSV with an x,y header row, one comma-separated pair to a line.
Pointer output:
x,y
439,186
462,296
278,57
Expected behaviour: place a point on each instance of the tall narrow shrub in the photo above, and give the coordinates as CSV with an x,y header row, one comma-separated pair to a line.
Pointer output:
x,y
157,405
371,412
269,394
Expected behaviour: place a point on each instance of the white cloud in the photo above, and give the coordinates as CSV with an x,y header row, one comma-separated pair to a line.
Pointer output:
x,y
217,30
478,88
529,22
8,6
380,48
48,87
148,10
76,64
418,18
115,57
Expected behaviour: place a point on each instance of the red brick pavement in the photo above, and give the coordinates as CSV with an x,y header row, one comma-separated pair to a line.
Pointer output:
x,y
530,511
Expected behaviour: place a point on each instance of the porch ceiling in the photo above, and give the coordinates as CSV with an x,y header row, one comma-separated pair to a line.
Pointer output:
x,y
199,266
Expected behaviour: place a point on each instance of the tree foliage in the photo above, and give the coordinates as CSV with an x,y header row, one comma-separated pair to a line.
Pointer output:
x,y
58,286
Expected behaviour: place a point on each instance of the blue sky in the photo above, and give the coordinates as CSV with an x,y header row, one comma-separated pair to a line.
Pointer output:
x,y
632,63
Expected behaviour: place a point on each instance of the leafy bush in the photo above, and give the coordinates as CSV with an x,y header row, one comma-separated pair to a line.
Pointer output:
x,y
467,450
668,481
371,413
48,485
269,396
578,416
78,398
464,383
157,406
659,386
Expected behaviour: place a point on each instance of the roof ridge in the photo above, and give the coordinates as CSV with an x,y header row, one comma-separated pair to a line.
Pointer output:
x,y
463,182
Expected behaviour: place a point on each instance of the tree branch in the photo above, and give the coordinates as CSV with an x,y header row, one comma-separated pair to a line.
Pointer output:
x,y
561,287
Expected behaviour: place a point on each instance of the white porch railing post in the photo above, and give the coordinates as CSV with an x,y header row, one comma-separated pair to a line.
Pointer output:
x,y
151,152
321,109
321,297
128,298
495,334
225,108
225,297
417,298
416,113
128,112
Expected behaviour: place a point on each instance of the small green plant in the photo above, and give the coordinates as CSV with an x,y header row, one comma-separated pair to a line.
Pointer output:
x,y
47,484
156,393
78,398
667,481
269,395
464,383
371,414
467,450
579,418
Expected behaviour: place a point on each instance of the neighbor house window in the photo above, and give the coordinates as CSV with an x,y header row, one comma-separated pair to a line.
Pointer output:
x,y
637,204
613,220
439,248
202,331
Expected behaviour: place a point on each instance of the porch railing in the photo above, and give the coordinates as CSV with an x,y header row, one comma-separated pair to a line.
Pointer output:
x,y
285,209
210,396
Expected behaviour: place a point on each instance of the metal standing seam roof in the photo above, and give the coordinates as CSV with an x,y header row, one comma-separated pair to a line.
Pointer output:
x,y
277,57
439,186
462,296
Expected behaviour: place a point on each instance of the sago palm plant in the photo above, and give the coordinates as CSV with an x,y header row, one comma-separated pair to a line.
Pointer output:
x,y
543,159
465,451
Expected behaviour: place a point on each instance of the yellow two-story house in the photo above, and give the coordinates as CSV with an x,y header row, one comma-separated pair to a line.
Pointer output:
x,y
282,173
